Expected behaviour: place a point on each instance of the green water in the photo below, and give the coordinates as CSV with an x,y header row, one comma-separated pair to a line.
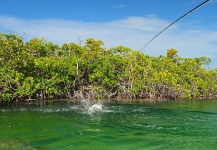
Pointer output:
x,y
144,126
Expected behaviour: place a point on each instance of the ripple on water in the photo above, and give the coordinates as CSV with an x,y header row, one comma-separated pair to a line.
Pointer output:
x,y
151,126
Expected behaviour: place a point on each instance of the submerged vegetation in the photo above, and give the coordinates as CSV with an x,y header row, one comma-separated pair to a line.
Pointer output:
x,y
39,70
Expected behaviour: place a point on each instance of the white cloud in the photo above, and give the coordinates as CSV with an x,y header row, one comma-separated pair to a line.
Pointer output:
x,y
133,32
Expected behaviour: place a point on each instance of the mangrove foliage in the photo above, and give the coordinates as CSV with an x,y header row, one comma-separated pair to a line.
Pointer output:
x,y
40,70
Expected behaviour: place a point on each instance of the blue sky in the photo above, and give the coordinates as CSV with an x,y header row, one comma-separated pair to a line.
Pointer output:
x,y
131,23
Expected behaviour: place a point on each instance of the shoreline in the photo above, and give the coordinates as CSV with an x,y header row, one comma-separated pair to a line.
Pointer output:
x,y
106,101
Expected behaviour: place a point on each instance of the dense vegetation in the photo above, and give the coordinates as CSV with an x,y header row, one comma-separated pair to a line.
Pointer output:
x,y
39,69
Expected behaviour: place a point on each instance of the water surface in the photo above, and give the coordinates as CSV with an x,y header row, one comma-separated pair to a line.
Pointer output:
x,y
143,126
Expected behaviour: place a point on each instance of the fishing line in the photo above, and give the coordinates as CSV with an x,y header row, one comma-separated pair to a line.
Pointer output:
x,y
175,22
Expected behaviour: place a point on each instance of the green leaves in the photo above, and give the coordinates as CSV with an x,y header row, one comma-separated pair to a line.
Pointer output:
x,y
9,82
39,69
171,53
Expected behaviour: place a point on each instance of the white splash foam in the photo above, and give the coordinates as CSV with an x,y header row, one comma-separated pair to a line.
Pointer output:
x,y
95,107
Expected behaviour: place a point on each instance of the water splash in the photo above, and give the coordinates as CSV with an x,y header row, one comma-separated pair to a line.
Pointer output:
x,y
86,103
91,107
94,108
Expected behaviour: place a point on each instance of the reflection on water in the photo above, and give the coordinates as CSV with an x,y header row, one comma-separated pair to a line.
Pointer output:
x,y
64,125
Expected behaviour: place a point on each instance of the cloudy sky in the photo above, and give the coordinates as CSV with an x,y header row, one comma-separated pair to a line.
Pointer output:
x,y
131,23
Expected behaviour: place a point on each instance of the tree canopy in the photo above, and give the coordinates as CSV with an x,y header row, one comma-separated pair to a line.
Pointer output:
x,y
39,70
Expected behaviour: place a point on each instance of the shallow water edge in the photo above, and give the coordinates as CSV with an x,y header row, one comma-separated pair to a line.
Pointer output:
x,y
115,101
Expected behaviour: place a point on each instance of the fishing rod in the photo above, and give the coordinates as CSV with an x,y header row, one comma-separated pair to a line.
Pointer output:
x,y
175,22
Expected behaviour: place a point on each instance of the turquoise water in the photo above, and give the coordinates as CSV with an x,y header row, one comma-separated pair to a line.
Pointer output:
x,y
139,126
